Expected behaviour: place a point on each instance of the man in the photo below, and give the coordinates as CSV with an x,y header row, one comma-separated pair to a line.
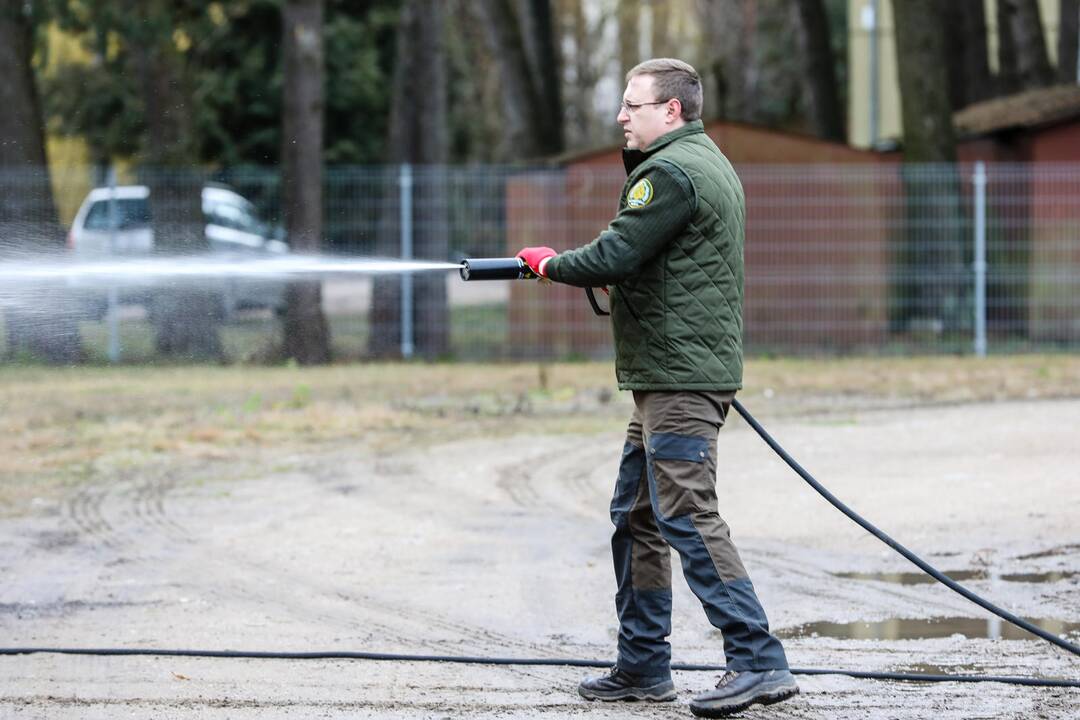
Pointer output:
x,y
672,260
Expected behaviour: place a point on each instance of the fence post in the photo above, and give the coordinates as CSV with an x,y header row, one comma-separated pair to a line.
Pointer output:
x,y
979,184
112,313
405,185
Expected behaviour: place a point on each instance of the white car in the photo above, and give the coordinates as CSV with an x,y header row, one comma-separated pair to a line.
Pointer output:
x,y
233,230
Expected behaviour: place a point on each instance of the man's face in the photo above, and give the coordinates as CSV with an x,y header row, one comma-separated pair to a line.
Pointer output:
x,y
643,116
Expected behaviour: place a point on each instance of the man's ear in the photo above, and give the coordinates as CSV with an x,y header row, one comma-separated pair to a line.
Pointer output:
x,y
674,110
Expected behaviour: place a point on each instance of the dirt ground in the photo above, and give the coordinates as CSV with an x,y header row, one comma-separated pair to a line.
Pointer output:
x,y
497,544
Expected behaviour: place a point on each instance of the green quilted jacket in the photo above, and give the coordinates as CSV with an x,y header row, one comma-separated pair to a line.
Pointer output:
x,y
673,261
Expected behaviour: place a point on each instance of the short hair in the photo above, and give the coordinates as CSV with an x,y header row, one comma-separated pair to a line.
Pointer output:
x,y
674,79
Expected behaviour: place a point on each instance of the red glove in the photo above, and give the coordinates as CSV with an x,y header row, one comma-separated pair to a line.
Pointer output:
x,y
536,258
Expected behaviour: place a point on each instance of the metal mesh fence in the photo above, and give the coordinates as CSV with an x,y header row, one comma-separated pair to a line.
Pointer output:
x,y
840,259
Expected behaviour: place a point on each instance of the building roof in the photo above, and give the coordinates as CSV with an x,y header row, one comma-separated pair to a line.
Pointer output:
x,y
1032,108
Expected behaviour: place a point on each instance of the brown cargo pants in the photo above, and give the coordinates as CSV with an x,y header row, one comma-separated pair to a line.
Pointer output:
x,y
666,497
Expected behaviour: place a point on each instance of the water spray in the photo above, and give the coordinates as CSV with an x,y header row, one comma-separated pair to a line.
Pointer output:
x,y
151,269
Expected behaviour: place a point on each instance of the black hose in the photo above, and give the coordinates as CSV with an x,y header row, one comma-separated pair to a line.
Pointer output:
x,y
883,537
574,662
556,662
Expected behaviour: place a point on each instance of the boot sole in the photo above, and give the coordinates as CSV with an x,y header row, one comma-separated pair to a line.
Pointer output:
x,y
630,695
766,698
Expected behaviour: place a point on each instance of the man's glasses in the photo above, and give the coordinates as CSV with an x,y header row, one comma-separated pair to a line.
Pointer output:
x,y
630,107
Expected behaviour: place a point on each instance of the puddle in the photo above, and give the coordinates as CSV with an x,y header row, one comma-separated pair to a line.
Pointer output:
x,y
924,629
1060,550
912,578
918,578
931,669
1046,577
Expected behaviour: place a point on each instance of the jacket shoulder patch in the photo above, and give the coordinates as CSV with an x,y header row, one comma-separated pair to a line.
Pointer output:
x,y
641,194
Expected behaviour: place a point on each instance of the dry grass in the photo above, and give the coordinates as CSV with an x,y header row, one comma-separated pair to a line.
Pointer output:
x,y
64,426
917,380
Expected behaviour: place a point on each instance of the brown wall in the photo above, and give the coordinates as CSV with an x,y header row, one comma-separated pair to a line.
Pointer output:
x,y
1057,143
562,209
1008,149
1034,231
1054,277
816,265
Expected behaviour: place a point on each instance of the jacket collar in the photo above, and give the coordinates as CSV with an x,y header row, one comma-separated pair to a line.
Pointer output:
x,y
633,158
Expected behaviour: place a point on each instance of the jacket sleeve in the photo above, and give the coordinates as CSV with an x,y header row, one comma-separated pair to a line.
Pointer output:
x,y
657,208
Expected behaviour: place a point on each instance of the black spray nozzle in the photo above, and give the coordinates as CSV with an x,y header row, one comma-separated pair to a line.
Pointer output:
x,y
495,269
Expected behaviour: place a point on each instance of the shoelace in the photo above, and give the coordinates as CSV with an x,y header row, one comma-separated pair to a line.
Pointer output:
x,y
727,677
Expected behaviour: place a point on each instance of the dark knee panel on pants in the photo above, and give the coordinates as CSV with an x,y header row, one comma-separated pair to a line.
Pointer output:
x,y
631,466
642,571
649,555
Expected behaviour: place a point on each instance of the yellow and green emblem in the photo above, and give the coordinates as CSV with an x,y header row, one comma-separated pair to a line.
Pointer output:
x,y
640,194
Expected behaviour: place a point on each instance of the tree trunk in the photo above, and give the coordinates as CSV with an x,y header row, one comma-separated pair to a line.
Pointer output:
x,y
307,335
546,63
474,97
41,322
970,80
22,130
1020,21
729,30
924,97
1067,41
533,126
583,124
660,42
186,317
932,291
418,138
1008,76
628,13
820,76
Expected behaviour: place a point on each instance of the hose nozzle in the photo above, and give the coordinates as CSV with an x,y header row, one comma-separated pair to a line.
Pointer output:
x,y
495,269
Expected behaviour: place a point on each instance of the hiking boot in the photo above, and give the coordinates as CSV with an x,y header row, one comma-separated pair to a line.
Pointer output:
x,y
739,690
619,685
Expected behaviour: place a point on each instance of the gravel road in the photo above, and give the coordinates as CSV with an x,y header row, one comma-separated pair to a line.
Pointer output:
x,y
499,547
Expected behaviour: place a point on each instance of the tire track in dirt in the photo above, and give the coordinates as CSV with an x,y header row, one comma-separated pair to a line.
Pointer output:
x,y
148,504
103,513
369,614
125,514
306,598
83,509
517,483
89,510
535,481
